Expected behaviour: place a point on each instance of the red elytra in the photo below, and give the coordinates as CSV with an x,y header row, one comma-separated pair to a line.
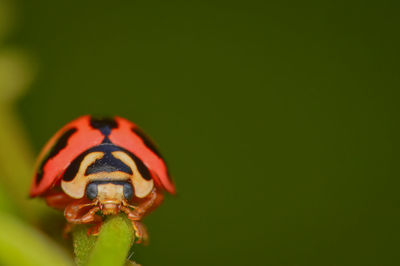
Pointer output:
x,y
50,170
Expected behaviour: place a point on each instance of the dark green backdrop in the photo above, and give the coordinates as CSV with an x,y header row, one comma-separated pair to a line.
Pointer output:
x,y
278,119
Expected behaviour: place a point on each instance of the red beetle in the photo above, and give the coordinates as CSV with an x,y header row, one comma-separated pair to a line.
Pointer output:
x,y
96,167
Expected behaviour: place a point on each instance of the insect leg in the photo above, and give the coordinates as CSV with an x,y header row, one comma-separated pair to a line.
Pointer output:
x,y
75,213
58,200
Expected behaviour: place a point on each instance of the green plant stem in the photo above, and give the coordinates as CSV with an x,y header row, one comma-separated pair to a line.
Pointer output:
x,y
110,248
24,245
83,244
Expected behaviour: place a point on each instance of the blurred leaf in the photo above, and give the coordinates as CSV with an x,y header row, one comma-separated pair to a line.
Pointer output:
x,y
16,156
7,205
16,164
23,245
16,73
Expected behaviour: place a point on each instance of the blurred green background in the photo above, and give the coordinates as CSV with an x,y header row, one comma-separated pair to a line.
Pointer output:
x,y
279,120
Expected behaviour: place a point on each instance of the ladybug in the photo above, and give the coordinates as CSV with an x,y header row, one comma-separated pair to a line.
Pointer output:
x,y
94,167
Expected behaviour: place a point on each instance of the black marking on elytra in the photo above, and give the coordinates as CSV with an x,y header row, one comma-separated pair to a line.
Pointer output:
x,y
73,168
105,125
147,141
106,140
144,171
58,146
106,165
